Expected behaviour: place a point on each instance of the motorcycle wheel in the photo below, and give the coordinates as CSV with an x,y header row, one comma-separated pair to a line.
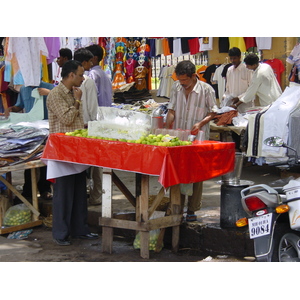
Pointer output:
x,y
288,250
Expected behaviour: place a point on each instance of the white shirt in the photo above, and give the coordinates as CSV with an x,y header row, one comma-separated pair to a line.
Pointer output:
x,y
28,52
263,84
237,82
195,108
263,43
89,99
220,80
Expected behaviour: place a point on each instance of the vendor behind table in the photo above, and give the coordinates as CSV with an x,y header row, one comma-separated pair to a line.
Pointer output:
x,y
190,107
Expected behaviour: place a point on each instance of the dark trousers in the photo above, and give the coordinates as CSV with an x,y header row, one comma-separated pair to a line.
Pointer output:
x,y
43,184
69,206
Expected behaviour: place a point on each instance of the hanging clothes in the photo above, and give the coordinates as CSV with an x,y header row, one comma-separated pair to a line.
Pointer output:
x,y
277,66
140,74
294,59
263,43
119,78
166,81
220,80
238,42
209,74
200,70
177,47
24,60
223,44
206,44
250,42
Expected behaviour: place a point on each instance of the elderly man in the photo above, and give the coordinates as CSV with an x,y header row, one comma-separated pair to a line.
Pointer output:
x,y
190,107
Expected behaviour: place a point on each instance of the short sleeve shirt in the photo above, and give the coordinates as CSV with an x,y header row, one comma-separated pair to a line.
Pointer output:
x,y
194,109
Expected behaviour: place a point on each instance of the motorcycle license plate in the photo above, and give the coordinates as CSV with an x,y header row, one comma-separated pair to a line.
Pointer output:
x,y
260,226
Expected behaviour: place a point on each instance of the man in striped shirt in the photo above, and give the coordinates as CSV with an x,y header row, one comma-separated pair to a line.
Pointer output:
x,y
190,107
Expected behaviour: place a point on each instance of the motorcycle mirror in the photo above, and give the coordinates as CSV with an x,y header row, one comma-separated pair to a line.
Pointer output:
x,y
274,141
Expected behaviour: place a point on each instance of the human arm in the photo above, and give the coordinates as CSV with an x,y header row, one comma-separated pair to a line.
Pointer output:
x,y
197,127
170,118
10,109
65,108
43,91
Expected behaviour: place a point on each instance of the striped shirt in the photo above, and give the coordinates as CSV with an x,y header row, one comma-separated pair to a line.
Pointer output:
x,y
63,116
193,109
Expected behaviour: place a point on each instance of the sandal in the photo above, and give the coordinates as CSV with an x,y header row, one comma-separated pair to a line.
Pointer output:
x,y
47,196
191,218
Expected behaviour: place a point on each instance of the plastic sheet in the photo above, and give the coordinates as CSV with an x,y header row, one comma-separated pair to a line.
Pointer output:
x,y
181,164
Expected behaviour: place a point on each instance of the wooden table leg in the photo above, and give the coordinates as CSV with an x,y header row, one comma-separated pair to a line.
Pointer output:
x,y
107,232
175,209
35,203
143,200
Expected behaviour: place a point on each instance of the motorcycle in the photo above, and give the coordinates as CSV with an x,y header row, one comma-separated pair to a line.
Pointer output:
x,y
274,215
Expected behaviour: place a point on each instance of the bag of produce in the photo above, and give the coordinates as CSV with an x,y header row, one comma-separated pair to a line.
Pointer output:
x,y
152,240
17,215
153,235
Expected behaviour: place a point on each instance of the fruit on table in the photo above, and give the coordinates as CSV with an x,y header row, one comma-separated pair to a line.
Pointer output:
x,y
150,139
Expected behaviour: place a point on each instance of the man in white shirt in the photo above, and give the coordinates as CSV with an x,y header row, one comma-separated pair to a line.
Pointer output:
x,y
190,107
90,106
88,87
263,83
238,78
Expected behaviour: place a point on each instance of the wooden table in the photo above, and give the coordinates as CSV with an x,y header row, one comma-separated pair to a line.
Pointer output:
x,y
33,165
172,165
143,223
224,130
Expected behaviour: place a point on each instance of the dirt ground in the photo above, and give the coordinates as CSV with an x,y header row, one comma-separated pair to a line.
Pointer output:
x,y
39,246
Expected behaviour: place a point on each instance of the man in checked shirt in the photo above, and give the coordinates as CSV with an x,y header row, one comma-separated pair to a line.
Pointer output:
x,y
69,192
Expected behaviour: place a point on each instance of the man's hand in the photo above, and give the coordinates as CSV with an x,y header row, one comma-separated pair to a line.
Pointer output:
x,y
77,92
43,91
7,112
196,128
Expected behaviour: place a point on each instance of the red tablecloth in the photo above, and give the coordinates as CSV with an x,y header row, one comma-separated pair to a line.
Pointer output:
x,y
181,164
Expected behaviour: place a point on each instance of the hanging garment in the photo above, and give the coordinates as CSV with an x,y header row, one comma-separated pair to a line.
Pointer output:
x,y
130,65
237,42
177,47
53,46
140,74
250,42
165,46
209,74
206,43
277,66
194,46
223,44
200,70
220,80
294,59
119,78
264,43
166,81
27,52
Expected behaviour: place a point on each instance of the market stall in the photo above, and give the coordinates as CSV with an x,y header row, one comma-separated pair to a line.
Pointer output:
x,y
173,165
33,165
